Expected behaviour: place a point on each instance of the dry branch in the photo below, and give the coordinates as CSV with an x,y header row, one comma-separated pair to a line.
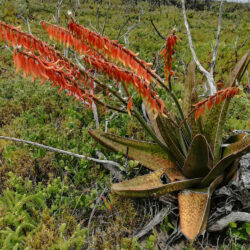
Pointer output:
x,y
217,41
207,74
156,220
157,31
234,216
60,151
114,170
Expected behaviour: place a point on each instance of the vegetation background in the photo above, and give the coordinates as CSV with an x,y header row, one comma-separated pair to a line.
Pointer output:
x,y
52,201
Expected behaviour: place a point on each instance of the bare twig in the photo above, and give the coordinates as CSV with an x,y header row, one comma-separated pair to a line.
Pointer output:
x,y
144,112
234,216
58,8
60,151
238,47
77,6
95,112
156,220
125,35
98,201
97,19
6,47
207,74
92,26
114,170
184,65
27,22
106,16
122,27
217,41
157,31
108,120
79,63
243,44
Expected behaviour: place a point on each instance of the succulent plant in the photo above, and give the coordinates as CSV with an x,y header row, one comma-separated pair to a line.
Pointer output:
x,y
186,153
196,170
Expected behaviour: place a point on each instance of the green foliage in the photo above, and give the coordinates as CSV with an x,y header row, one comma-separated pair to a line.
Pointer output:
x,y
151,242
239,232
19,217
166,225
28,220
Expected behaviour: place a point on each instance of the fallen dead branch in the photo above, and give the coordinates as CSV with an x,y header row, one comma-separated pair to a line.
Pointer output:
x,y
60,151
234,216
155,221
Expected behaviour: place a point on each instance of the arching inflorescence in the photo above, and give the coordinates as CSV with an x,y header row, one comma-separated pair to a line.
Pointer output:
x,y
217,98
89,46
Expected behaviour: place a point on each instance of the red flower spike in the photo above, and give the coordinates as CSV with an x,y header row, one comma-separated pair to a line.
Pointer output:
x,y
54,61
37,68
219,97
124,76
167,53
111,48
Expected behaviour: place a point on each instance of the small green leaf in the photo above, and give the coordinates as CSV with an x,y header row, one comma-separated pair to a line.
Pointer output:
x,y
232,224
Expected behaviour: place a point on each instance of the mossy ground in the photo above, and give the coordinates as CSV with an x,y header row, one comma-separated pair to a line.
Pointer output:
x,y
62,190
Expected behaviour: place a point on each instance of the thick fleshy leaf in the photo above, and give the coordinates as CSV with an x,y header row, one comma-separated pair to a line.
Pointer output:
x,y
236,146
237,150
234,166
217,114
196,163
235,138
232,171
167,133
194,207
152,184
237,70
192,211
190,98
148,154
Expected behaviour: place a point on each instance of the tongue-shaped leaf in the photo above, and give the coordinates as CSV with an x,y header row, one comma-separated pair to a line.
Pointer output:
x,y
196,163
236,146
190,98
235,138
152,184
148,154
168,134
194,206
233,152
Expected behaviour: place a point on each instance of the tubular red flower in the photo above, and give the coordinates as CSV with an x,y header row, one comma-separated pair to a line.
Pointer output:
x,y
34,66
167,53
